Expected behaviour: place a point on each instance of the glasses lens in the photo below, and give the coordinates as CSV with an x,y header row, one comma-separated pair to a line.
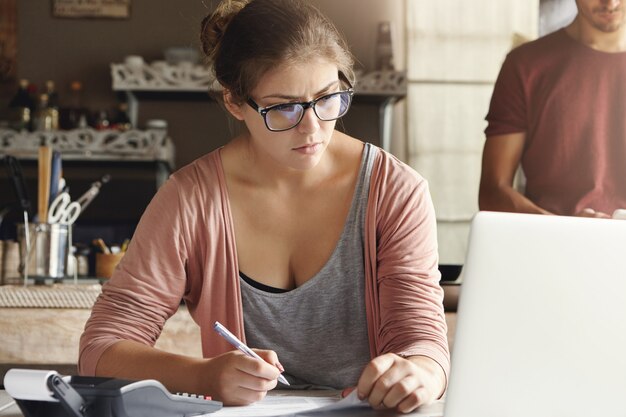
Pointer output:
x,y
333,106
284,117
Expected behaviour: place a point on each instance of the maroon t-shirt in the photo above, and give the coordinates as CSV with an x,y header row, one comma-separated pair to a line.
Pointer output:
x,y
570,100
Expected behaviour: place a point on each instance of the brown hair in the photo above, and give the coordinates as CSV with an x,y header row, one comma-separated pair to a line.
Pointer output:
x,y
243,39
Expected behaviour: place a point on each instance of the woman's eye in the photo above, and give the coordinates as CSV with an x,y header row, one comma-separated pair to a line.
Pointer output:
x,y
329,97
288,107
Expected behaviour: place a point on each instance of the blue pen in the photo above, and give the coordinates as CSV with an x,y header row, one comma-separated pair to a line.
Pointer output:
x,y
232,339
56,170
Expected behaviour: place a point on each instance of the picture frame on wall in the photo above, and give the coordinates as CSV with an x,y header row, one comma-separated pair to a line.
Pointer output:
x,y
8,49
78,9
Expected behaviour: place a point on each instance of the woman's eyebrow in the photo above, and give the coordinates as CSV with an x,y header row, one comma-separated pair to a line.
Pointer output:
x,y
288,97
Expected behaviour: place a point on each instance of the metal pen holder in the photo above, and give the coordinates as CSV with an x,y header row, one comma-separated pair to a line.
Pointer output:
x,y
44,251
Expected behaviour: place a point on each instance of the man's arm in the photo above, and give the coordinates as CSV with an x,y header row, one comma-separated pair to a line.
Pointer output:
x,y
501,157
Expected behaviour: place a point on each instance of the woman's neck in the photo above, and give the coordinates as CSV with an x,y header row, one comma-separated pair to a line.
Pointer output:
x,y
254,166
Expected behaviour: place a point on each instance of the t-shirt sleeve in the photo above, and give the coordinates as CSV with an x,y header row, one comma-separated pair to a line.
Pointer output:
x,y
146,287
508,111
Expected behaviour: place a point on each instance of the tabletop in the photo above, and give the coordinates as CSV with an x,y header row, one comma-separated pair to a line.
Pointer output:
x,y
280,403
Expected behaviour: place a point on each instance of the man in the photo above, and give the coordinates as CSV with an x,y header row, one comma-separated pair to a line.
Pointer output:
x,y
559,109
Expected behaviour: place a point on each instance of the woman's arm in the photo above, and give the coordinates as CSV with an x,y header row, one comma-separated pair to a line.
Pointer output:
x,y
406,300
165,262
146,287
233,378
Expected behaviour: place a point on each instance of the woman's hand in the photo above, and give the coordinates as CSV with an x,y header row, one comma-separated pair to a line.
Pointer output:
x,y
391,381
238,379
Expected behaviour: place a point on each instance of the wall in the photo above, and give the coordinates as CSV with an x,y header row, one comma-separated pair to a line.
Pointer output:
x,y
82,49
453,60
555,14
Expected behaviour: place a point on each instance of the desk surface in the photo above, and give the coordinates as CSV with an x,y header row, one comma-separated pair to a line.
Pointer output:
x,y
12,411
434,410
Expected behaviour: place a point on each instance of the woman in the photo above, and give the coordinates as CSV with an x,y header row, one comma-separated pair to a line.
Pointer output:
x,y
299,239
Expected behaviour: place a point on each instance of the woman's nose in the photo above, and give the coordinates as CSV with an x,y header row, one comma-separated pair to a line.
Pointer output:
x,y
309,123
612,4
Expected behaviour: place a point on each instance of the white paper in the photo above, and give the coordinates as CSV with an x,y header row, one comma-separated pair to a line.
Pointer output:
x,y
350,401
291,403
431,410
281,403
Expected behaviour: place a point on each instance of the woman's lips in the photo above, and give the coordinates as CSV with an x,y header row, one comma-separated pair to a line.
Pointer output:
x,y
308,149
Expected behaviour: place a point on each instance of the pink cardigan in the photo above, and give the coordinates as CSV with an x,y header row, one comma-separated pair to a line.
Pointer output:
x,y
184,248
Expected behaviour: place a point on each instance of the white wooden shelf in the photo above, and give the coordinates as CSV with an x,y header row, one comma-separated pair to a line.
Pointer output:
x,y
160,76
160,79
90,144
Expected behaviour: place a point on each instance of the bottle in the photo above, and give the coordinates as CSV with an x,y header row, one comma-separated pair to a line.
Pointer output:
x,y
122,121
82,261
32,93
53,105
46,117
53,96
74,116
102,121
384,48
20,108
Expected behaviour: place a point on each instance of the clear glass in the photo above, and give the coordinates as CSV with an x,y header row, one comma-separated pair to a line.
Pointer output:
x,y
280,117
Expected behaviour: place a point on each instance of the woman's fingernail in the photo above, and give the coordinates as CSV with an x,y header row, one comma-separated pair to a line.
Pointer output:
x,y
279,366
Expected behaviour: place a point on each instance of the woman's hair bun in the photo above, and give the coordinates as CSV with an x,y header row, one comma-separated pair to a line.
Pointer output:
x,y
214,25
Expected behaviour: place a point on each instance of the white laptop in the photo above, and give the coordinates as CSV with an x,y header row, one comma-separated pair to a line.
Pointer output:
x,y
541,327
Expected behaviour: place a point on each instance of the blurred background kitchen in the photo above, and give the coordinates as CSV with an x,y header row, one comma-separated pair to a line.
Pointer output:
x,y
131,98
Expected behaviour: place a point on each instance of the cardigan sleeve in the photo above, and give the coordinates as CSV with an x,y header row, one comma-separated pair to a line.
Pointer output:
x,y
146,287
408,316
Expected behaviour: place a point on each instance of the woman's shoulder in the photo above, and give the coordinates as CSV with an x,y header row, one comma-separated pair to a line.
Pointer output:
x,y
352,148
197,184
390,171
398,193
387,169
205,170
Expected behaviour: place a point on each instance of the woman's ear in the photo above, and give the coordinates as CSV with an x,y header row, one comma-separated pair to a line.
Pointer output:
x,y
232,107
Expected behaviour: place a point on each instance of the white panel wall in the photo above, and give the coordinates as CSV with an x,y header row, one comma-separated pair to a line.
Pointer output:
x,y
446,127
454,52
460,40
555,14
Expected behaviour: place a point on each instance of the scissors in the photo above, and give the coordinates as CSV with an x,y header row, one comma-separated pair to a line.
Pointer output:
x,y
63,210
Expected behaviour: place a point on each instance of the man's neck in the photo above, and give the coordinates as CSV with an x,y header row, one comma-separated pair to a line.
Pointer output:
x,y
594,38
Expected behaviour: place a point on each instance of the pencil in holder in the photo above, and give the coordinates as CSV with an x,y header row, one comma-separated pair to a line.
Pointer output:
x,y
106,263
44,251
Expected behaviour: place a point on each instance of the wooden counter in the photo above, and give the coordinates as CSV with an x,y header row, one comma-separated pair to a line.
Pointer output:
x,y
47,338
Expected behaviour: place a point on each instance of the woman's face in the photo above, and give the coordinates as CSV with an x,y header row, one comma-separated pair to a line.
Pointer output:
x,y
301,147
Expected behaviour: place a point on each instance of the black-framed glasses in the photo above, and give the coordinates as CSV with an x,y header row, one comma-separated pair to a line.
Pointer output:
x,y
280,117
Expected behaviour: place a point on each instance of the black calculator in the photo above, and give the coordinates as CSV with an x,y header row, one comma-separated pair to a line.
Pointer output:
x,y
147,398
79,396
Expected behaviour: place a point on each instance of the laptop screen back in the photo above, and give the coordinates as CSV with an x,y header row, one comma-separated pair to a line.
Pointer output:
x,y
541,327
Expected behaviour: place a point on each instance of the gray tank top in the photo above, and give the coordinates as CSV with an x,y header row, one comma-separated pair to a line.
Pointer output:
x,y
319,330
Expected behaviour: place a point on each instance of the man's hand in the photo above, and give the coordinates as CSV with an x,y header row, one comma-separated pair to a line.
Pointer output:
x,y
589,212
